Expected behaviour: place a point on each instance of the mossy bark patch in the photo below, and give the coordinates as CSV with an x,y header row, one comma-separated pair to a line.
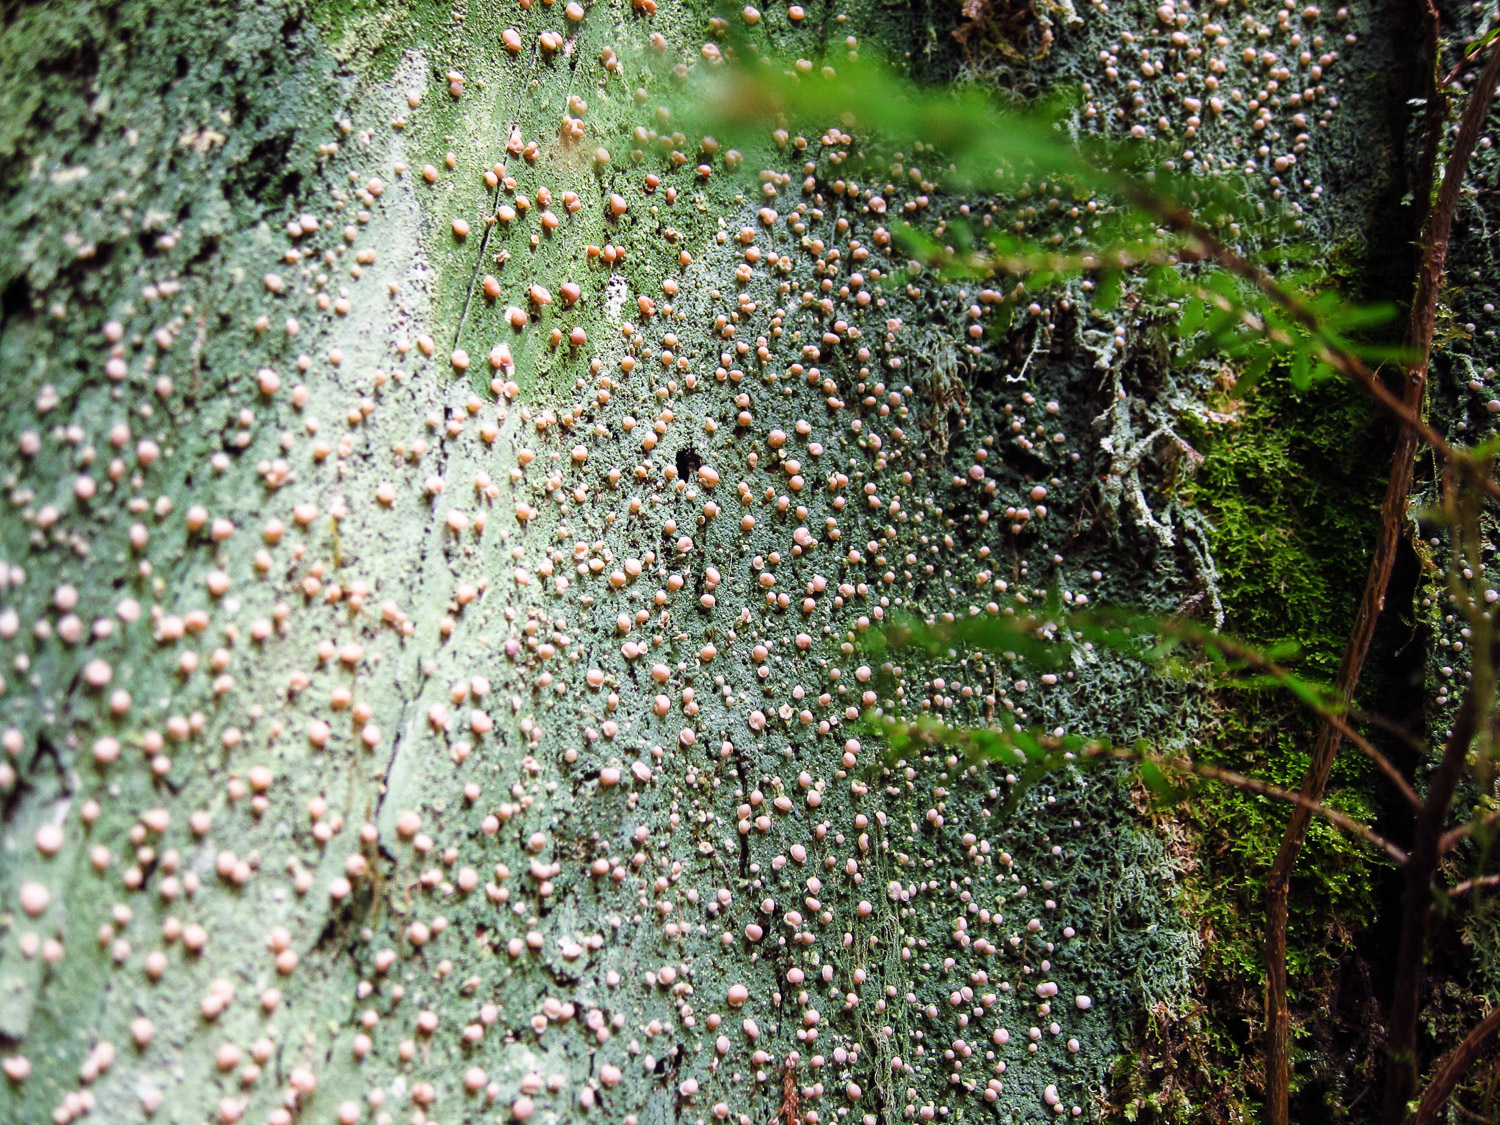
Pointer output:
x,y
446,683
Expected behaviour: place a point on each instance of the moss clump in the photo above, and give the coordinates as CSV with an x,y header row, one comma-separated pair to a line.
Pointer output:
x,y
1292,497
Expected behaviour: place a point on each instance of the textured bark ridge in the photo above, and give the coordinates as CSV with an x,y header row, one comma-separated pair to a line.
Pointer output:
x,y
444,506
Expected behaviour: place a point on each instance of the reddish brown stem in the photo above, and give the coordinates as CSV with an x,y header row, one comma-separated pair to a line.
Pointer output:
x,y
1427,835
1452,1068
1458,890
1414,430
1451,839
1347,364
1325,750
1331,715
1403,1065
1255,785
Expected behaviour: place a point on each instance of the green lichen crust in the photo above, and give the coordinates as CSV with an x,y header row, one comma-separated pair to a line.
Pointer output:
x,y
445,503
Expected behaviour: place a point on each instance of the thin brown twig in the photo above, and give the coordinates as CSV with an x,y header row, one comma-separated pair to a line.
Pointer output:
x,y
1252,785
1460,889
1334,353
1330,715
1386,766
1453,1067
1369,750
1453,837
1183,764
1411,956
1234,650
1463,64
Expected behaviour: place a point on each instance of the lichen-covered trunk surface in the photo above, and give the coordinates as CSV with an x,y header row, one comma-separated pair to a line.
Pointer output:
x,y
444,508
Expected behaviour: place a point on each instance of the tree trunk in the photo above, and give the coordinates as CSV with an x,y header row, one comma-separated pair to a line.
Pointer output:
x,y
445,507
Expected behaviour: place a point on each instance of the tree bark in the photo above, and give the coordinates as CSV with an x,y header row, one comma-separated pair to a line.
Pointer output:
x,y
446,499
1436,233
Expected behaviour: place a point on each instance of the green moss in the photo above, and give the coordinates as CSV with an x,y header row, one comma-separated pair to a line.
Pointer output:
x,y
1288,486
1292,494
